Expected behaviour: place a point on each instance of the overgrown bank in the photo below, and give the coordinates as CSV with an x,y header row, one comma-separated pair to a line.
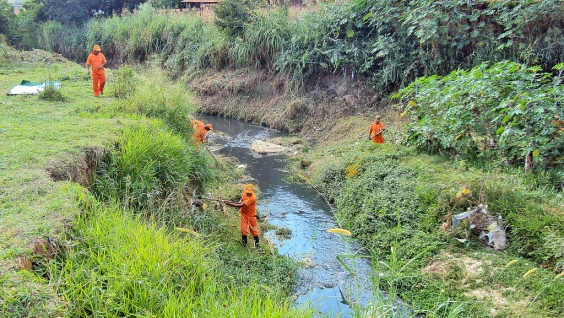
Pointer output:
x,y
399,203
115,251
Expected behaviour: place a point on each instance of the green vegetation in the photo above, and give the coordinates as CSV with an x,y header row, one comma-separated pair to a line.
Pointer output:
x,y
390,44
398,203
115,252
500,114
480,81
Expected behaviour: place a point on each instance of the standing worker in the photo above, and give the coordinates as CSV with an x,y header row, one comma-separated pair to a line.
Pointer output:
x,y
248,214
200,130
375,132
97,60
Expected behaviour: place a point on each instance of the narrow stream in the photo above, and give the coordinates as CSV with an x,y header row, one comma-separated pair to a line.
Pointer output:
x,y
323,281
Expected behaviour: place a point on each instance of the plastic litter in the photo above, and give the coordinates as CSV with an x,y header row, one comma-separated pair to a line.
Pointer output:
x,y
484,225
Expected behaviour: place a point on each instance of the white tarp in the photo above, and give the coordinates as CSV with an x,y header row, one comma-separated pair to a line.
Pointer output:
x,y
29,88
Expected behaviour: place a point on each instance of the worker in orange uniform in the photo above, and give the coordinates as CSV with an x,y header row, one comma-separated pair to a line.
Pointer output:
x,y
376,130
200,130
248,214
97,60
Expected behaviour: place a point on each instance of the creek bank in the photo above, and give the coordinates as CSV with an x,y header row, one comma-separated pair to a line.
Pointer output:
x,y
263,98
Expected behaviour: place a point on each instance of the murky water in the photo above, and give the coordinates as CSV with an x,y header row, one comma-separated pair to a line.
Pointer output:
x,y
324,281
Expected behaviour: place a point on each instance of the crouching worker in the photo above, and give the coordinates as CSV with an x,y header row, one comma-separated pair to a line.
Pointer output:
x,y
200,131
248,214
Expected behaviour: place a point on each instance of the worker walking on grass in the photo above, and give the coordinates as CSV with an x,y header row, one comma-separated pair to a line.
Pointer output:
x,y
97,60
376,130
200,130
248,214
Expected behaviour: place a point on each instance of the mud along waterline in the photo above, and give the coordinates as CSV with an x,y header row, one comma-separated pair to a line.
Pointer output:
x,y
323,281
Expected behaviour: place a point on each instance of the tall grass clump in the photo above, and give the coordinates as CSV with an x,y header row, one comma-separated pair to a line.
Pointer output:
x,y
123,267
146,163
152,97
124,85
171,104
261,44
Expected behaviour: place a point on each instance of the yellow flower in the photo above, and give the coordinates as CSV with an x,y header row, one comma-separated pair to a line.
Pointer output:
x,y
411,103
530,272
404,113
511,263
463,192
536,153
340,231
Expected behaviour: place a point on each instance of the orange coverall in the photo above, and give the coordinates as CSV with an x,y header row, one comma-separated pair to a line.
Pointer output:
x,y
199,134
98,75
248,214
374,129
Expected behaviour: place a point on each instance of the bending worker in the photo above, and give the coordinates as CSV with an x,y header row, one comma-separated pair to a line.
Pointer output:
x,y
200,130
248,214
97,60
376,130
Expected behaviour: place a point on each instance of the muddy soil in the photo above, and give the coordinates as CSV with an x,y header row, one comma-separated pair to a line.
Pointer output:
x,y
266,99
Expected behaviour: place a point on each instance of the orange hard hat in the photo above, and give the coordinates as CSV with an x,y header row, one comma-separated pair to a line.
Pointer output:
x,y
249,188
96,48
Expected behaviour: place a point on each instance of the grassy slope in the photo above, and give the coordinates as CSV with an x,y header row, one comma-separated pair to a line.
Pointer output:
x,y
40,136
36,135
450,273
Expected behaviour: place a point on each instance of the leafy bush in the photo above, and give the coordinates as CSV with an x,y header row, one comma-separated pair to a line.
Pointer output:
x,y
7,18
51,93
505,112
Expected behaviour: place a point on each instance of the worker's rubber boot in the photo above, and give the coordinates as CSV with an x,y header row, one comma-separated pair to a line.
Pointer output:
x,y
244,237
256,241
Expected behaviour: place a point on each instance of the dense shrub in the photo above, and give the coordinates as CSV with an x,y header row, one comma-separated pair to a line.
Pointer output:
x,y
379,203
504,112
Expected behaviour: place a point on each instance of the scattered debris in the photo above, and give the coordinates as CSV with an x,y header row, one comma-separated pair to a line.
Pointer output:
x,y
283,232
487,227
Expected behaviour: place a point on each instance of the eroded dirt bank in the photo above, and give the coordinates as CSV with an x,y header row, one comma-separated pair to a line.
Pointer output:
x,y
267,99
